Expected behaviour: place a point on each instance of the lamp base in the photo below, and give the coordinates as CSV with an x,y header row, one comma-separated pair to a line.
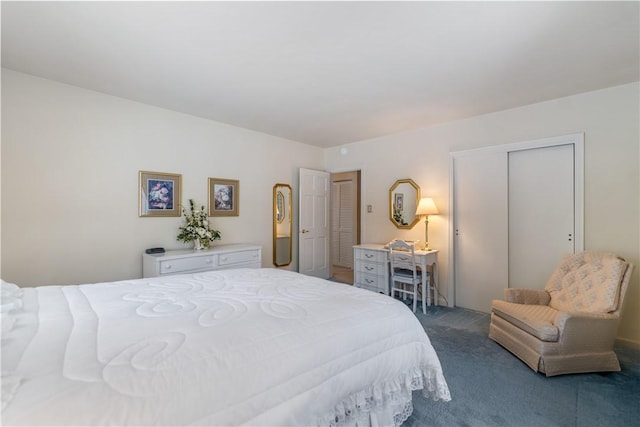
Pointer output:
x,y
426,233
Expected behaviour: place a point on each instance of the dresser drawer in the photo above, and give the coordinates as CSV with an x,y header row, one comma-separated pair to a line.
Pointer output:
x,y
371,268
231,258
183,261
185,265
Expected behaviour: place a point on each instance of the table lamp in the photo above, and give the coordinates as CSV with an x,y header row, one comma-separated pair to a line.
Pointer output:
x,y
425,208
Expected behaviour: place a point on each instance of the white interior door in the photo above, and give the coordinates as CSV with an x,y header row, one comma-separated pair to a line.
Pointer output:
x,y
313,235
480,229
541,213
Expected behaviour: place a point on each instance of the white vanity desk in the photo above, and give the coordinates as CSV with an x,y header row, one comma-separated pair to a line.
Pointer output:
x,y
371,268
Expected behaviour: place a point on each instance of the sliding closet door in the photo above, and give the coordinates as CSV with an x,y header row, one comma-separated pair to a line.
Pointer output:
x,y
517,209
541,213
480,229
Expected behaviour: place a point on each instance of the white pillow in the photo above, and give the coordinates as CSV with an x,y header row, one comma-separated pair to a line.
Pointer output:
x,y
10,303
11,297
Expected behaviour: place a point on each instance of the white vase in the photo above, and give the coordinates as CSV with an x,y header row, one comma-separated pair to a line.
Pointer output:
x,y
197,246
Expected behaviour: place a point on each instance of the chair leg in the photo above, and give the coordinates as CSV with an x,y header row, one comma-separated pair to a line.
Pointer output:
x,y
415,297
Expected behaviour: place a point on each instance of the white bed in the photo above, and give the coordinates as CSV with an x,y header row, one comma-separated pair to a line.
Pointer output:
x,y
256,347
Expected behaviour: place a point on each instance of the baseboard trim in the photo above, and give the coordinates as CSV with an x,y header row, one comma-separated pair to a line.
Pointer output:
x,y
624,342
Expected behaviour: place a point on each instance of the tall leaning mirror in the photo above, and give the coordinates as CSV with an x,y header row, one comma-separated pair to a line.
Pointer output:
x,y
282,225
404,196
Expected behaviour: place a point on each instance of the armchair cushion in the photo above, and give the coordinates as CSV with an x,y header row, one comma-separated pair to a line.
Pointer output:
x,y
527,296
587,281
538,320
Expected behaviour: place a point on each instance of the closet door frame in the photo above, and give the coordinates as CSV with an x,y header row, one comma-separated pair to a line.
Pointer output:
x,y
576,139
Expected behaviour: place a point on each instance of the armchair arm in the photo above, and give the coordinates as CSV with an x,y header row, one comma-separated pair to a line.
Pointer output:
x,y
527,296
587,331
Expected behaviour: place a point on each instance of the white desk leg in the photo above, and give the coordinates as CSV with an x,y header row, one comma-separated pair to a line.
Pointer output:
x,y
426,295
425,291
436,297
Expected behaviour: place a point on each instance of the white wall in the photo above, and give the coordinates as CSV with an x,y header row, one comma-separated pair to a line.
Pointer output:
x,y
610,120
70,163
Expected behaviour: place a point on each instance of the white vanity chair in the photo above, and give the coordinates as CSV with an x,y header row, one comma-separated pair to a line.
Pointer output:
x,y
405,276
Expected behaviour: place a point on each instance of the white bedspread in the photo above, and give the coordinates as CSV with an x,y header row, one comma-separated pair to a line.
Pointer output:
x,y
235,347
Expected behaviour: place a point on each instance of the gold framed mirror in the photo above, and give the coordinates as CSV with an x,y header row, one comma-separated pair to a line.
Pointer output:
x,y
282,225
404,196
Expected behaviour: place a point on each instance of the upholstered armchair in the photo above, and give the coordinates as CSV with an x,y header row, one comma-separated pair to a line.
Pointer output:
x,y
571,325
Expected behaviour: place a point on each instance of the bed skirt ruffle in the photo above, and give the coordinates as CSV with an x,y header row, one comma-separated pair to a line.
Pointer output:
x,y
389,403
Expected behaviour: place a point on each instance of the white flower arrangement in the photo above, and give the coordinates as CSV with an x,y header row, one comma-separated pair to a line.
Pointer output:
x,y
196,227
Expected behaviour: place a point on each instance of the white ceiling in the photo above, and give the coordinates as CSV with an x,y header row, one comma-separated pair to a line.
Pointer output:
x,y
327,73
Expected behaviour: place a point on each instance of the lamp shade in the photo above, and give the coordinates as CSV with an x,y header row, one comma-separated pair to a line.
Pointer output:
x,y
426,207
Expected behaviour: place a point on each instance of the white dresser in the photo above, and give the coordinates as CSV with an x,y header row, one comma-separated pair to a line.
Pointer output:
x,y
370,268
189,261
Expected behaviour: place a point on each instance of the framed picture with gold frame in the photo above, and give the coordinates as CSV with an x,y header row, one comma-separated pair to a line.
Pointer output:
x,y
224,197
159,194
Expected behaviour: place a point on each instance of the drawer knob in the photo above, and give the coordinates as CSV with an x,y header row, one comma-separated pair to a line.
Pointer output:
x,y
224,258
168,267
369,268
208,261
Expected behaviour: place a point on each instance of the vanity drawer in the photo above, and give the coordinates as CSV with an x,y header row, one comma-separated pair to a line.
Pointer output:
x,y
370,281
371,268
186,265
231,258
372,256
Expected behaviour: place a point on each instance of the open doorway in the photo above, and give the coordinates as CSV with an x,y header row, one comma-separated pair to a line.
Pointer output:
x,y
345,223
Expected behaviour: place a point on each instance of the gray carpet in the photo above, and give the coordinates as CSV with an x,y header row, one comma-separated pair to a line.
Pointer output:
x,y
491,387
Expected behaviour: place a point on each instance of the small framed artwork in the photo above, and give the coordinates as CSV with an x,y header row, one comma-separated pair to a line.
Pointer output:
x,y
159,194
399,202
224,197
